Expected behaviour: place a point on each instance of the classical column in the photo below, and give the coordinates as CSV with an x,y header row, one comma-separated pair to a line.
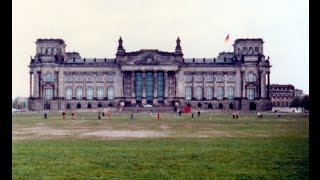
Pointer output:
x,y
193,95
166,83
144,84
84,86
61,84
30,84
155,85
259,85
268,86
95,87
132,84
74,90
35,85
39,84
225,85
243,89
204,93
263,85
56,84
238,83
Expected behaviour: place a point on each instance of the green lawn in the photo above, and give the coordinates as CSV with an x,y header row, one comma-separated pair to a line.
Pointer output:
x,y
170,148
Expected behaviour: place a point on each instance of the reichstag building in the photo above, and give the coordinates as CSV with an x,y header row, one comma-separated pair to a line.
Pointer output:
x,y
61,80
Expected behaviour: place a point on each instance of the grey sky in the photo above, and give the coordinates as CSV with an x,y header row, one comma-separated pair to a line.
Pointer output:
x,y
92,28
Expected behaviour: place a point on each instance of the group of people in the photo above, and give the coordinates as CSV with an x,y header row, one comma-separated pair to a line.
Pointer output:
x,y
102,113
259,115
192,115
235,115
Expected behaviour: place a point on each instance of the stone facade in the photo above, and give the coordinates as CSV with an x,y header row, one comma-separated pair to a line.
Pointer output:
x,y
282,94
233,80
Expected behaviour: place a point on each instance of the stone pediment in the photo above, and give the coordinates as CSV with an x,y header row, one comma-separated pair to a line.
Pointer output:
x,y
151,58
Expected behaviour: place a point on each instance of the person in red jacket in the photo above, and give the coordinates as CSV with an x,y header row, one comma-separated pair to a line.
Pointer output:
x,y
158,115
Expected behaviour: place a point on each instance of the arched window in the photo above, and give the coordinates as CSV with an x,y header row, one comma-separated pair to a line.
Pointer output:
x,y
110,93
54,50
244,50
256,50
250,93
199,93
89,106
250,50
90,93
48,50
43,51
99,105
68,92
220,93
188,93
100,93
48,77
78,105
79,92
252,78
68,106
209,93
230,92
220,106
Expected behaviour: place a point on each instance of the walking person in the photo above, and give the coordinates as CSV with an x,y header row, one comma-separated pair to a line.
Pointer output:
x,y
237,115
192,115
45,115
198,113
158,115
72,114
180,113
131,116
63,115
258,115
99,115
233,115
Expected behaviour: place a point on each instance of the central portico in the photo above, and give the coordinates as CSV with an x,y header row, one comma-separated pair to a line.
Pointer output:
x,y
149,77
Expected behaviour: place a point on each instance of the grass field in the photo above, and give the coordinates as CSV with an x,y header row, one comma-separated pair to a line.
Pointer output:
x,y
170,148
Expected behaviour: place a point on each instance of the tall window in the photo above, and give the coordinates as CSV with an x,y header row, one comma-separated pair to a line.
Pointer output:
x,y
220,93
138,86
89,78
160,88
220,78
48,93
110,77
68,92
79,78
43,51
149,86
209,78
100,78
256,49
199,78
188,93
230,92
252,78
209,93
100,93
79,92
230,77
199,93
250,50
68,78
110,93
188,78
48,50
244,50
90,93
48,77
54,50
250,93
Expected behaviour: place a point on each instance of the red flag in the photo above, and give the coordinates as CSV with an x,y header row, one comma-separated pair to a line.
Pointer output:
x,y
227,38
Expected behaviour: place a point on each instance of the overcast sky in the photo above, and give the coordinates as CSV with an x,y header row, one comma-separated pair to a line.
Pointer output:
x,y
93,27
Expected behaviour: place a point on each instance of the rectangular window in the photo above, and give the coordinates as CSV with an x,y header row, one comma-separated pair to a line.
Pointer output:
x,y
188,78
110,78
160,86
48,93
138,86
149,86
